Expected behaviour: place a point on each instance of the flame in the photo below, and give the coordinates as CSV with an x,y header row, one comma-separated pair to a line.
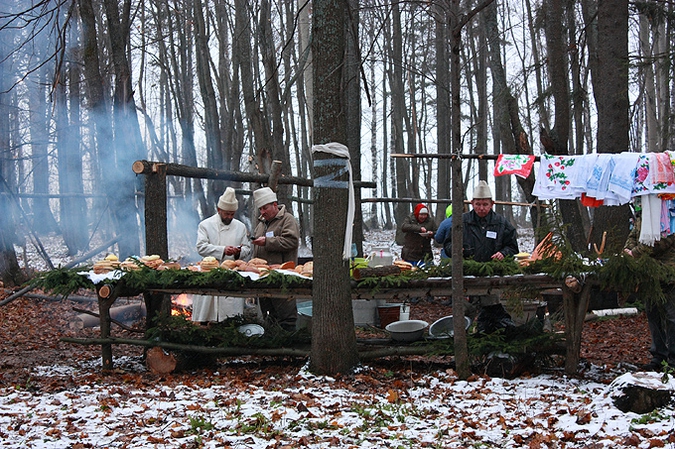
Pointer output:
x,y
181,305
183,299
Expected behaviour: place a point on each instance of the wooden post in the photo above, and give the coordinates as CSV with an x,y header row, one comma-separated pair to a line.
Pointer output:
x,y
575,306
275,173
156,241
106,297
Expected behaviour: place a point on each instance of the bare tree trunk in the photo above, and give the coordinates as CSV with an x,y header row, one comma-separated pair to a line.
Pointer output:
x,y
333,338
214,148
43,219
398,111
127,147
101,123
443,108
610,87
559,74
260,129
460,341
10,273
73,211
513,137
273,98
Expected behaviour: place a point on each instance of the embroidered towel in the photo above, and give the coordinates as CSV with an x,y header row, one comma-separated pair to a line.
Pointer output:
x,y
514,164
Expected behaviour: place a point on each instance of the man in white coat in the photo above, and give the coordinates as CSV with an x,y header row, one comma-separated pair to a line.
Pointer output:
x,y
224,237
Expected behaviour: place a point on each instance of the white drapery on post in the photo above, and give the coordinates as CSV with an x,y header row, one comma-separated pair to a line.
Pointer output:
x,y
329,181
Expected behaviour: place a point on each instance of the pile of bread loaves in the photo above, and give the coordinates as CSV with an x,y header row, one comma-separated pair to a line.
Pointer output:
x,y
255,265
112,262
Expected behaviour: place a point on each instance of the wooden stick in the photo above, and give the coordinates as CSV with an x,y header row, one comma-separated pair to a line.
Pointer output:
x,y
444,200
489,157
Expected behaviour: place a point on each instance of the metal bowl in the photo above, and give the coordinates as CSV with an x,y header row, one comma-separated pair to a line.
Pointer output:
x,y
444,328
409,330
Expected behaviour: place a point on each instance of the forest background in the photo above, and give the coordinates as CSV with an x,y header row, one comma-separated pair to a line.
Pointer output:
x,y
87,87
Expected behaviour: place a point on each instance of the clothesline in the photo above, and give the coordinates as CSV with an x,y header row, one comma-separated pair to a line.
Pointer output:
x,y
598,179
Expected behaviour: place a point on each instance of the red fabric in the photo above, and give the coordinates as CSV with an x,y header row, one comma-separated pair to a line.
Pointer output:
x,y
589,201
417,209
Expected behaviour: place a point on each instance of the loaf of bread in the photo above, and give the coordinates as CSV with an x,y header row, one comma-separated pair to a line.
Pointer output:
x,y
208,263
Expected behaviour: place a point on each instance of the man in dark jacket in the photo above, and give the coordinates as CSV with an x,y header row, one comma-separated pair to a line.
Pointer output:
x,y
660,315
487,236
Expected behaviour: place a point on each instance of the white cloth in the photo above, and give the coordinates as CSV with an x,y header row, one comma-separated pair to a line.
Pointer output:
x,y
650,230
212,238
340,150
623,175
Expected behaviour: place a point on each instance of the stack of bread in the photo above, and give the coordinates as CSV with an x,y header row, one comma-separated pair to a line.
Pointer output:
x,y
111,262
307,269
153,261
257,265
522,258
129,264
208,263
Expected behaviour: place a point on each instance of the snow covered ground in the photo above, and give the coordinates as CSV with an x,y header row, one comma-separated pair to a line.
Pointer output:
x,y
432,409
241,407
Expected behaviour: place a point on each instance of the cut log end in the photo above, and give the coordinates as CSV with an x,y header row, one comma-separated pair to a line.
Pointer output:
x,y
138,167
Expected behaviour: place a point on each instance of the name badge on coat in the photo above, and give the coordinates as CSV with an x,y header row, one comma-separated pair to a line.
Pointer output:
x,y
271,234
491,234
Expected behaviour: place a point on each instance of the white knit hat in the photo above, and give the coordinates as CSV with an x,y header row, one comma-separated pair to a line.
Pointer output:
x,y
482,191
228,200
264,196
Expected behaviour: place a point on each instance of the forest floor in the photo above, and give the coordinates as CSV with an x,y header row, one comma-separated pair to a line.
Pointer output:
x,y
32,328
53,394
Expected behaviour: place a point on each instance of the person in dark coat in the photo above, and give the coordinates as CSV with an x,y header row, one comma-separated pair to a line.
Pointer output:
x,y
418,230
444,229
487,236
660,315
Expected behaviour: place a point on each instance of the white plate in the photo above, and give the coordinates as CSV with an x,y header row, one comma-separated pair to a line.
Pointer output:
x,y
252,330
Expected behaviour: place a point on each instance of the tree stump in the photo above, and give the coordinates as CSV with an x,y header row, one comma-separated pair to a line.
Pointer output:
x,y
642,392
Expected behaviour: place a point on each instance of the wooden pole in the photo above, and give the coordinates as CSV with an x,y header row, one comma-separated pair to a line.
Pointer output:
x,y
142,167
156,240
489,157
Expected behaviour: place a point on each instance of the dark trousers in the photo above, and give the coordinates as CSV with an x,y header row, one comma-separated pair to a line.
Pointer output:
x,y
281,311
661,318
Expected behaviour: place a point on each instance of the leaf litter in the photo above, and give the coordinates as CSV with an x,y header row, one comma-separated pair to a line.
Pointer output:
x,y
54,395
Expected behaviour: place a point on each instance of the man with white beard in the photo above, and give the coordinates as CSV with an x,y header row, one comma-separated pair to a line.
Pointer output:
x,y
223,237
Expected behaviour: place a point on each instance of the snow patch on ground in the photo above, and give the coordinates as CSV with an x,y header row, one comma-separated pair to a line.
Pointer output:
x,y
433,409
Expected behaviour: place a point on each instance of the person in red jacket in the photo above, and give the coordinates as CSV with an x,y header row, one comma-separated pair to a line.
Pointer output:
x,y
418,230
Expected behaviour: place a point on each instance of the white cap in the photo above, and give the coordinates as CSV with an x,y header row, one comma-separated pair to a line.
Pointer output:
x,y
424,210
264,196
228,200
482,191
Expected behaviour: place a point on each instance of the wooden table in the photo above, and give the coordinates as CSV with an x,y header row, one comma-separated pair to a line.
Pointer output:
x,y
575,303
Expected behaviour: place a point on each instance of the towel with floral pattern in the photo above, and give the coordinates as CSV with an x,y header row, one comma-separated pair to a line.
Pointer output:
x,y
514,164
